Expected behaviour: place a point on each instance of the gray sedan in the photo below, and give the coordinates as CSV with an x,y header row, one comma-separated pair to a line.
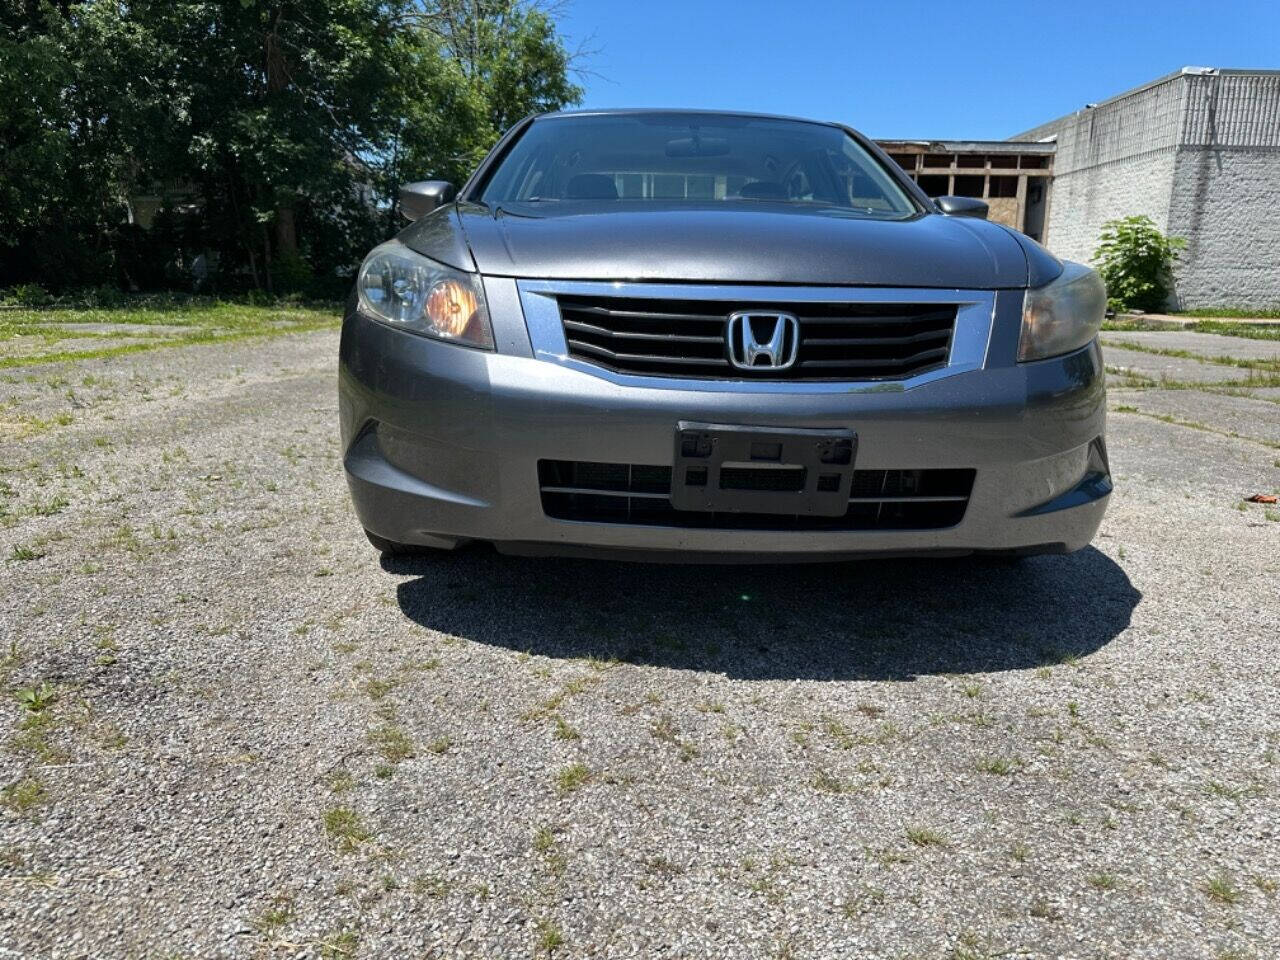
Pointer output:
x,y
681,335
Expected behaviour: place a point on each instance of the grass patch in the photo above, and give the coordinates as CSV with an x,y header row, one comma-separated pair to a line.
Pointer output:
x,y
998,766
1237,313
24,795
344,827
23,552
926,837
275,917
1220,321
572,778
665,729
392,743
563,731
179,323
550,939
1220,889
432,885
1103,881
1262,365
825,782
1194,425
339,946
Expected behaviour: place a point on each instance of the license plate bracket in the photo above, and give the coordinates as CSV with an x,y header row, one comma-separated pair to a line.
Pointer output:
x,y
750,469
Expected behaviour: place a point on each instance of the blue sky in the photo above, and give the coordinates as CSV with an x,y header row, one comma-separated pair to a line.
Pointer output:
x,y
963,69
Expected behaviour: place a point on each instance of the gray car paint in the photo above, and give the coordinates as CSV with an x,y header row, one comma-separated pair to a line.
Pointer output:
x,y
441,441
747,242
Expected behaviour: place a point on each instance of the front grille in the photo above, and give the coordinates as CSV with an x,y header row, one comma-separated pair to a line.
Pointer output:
x,y
686,338
640,494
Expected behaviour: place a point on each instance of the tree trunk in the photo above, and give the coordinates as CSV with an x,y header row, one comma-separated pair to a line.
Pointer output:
x,y
277,81
286,231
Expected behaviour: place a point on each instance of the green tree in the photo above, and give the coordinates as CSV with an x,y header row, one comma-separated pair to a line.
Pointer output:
x,y
1136,262
478,67
267,129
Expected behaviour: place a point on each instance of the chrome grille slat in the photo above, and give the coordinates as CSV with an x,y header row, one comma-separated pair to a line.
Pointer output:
x,y
641,358
872,341
641,314
913,360
636,335
839,340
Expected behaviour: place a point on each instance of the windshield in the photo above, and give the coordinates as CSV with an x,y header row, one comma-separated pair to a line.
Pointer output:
x,y
693,157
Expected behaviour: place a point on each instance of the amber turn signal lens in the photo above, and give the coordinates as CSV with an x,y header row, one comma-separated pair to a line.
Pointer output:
x,y
450,307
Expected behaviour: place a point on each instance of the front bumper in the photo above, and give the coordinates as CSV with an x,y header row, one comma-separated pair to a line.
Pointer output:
x,y
441,445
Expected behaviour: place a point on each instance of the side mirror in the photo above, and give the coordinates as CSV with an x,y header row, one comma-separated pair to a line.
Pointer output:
x,y
962,207
419,199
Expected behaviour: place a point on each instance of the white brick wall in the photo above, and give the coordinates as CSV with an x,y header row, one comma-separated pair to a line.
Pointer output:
x,y
1227,204
1083,201
1199,153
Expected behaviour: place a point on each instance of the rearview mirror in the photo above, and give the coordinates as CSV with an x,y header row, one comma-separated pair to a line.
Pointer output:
x,y
962,207
698,147
420,198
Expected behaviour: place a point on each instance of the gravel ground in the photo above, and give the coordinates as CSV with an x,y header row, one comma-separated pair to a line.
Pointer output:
x,y
1160,367
1202,344
231,732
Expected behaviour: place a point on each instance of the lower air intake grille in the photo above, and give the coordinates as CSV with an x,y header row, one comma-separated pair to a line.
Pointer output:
x,y
639,494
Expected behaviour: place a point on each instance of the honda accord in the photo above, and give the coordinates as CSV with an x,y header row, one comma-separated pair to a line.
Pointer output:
x,y
686,335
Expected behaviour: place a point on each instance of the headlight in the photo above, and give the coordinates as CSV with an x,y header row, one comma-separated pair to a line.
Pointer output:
x,y
1063,315
406,290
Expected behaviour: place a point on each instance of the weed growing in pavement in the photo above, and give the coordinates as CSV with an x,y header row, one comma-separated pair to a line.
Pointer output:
x,y
339,946
572,777
1220,889
25,551
550,939
1225,791
432,885
340,781
544,844
563,731
543,840
344,827
926,837
376,689
1103,881
37,699
827,783
1042,909
23,795
856,904
275,917
392,743
998,766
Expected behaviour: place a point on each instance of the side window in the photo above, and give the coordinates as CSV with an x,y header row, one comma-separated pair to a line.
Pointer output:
x,y
858,186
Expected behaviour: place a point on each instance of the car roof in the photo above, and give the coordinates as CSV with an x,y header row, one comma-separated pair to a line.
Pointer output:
x,y
681,111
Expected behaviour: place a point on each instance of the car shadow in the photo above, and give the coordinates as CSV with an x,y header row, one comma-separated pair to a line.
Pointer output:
x,y
874,620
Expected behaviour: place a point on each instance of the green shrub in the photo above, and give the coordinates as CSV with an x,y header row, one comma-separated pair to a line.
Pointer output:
x,y
291,273
103,295
26,295
1136,261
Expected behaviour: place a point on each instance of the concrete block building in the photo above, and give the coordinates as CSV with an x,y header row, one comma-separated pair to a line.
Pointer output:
x,y
1198,151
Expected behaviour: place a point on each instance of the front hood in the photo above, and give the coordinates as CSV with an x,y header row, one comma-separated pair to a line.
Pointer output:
x,y
748,242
